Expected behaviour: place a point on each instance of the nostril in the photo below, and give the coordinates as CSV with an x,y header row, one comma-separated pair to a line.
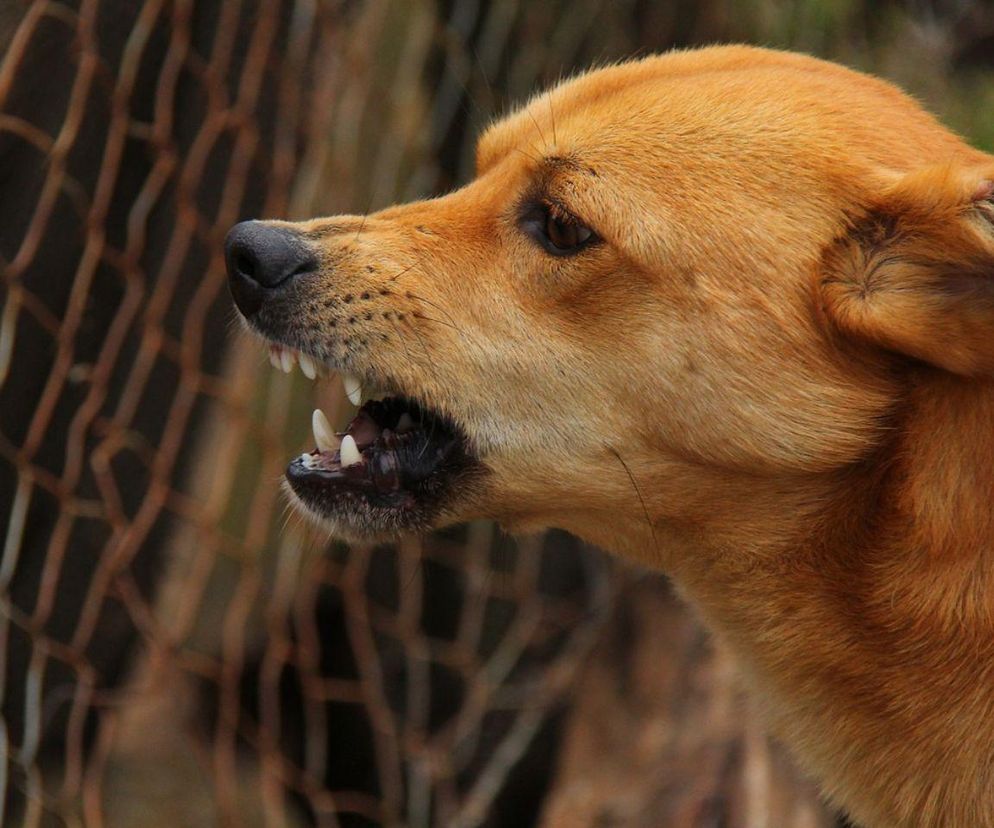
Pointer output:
x,y
305,267
245,265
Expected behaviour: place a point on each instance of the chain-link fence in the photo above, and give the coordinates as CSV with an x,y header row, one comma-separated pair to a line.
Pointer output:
x,y
176,649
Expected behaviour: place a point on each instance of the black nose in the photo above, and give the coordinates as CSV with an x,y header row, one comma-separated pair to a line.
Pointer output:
x,y
261,257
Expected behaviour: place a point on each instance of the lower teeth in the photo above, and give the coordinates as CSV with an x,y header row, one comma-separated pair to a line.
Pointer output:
x,y
350,454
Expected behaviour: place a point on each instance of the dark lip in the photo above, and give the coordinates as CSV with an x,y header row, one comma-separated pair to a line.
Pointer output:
x,y
403,479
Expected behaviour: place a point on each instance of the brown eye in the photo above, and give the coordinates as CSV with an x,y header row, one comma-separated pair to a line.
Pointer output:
x,y
565,235
557,231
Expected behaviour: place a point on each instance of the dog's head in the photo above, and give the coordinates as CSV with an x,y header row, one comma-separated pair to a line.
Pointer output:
x,y
669,274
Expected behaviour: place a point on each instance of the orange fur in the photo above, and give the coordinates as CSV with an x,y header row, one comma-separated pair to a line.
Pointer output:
x,y
772,377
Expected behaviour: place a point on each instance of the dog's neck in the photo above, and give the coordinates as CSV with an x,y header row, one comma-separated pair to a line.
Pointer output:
x,y
944,480
922,500
855,618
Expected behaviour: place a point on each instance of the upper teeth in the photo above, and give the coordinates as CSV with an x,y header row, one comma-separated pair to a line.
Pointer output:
x,y
353,389
307,366
324,434
284,359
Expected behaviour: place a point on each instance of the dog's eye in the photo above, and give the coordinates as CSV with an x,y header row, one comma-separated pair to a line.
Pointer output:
x,y
560,233
565,235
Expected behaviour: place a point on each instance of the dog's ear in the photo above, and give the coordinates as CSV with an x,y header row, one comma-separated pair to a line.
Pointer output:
x,y
915,273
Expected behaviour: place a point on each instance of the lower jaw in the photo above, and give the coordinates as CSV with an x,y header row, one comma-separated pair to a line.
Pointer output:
x,y
353,517
465,492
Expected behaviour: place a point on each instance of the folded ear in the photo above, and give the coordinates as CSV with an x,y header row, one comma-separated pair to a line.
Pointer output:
x,y
915,273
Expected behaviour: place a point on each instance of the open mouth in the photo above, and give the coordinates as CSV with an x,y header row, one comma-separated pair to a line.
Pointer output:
x,y
392,469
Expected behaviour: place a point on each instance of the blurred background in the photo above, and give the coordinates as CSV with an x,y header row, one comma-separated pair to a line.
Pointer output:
x,y
176,650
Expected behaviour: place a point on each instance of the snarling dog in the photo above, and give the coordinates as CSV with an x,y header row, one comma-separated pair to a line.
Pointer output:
x,y
729,313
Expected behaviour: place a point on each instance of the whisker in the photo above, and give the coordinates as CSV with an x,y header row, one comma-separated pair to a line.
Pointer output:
x,y
527,155
467,92
288,515
638,492
403,342
483,74
541,134
289,512
431,432
365,216
405,270
420,315
411,295
552,115
362,226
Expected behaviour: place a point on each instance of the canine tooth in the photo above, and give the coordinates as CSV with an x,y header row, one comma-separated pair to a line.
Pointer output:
x,y
350,452
324,434
353,388
405,423
307,366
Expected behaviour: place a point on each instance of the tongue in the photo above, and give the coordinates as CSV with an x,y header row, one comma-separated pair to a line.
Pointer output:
x,y
363,430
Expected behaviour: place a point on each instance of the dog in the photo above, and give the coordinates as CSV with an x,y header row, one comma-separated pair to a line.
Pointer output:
x,y
726,312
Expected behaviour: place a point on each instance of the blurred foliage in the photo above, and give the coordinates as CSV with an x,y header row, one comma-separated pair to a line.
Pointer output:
x,y
941,52
436,73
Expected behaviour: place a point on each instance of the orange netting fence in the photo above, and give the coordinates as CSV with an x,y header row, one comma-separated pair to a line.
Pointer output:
x,y
175,650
